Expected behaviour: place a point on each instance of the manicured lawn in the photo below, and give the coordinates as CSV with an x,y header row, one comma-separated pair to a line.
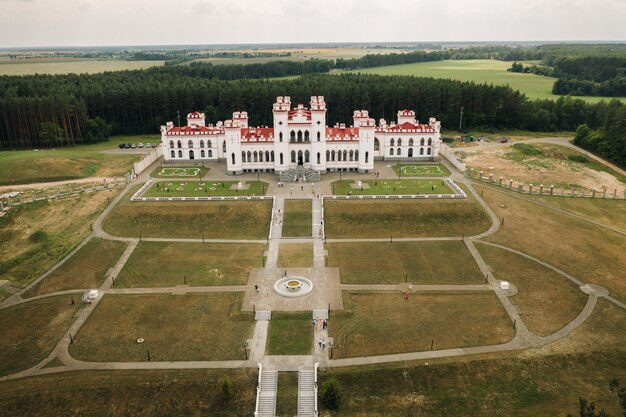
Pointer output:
x,y
403,218
188,219
547,300
287,396
438,262
385,323
180,171
31,330
86,269
194,188
421,170
174,327
290,333
297,218
295,255
588,252
168,264
390,186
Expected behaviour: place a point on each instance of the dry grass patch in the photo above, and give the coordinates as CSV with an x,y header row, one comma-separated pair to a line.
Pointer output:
x,y
37,235
547,300
297,218
31,330
174,327
86,269
437,262
588,252
287,396
211,219
403,218
167,264
295,255
385,323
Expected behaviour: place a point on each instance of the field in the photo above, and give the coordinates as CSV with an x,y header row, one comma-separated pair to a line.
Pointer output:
x,y
439,262
168,264
180,172
42,233
297,218
403,218
213,220
390,187
70,65
86,269
384,323
290,333
194,188
480,71
175,328
421,170
295,255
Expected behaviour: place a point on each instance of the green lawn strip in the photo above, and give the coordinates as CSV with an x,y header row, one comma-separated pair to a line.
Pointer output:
x,y
385,323
208,188
211,219
437,262
297,218
174,328
390,186
86,269
31,330
290,333
180,172
287,396
168,264
160,393
404,218
421,170
295,255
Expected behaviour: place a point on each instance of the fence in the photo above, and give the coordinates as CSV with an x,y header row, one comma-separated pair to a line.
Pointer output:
x,y
459,194
449,155
137,196
147,160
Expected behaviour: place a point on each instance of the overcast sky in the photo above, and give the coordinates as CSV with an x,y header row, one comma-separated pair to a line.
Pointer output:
x,y
163,22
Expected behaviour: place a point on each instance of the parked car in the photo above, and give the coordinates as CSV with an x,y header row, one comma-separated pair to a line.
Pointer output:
x,y
133,146
140,145
121,145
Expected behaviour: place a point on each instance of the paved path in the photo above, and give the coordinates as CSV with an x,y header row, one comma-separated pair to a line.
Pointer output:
x,y
40,185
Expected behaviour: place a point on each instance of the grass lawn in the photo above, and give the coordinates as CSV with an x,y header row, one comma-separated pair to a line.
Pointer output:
x,y
297,218
385,323
191,188
188,219
295,255
130,393
86,269
404,218
480,71
547,300
421,170
287,395
588,252
168,264
175,328
180,171
37,235
290,333
31,330
438,262
391,186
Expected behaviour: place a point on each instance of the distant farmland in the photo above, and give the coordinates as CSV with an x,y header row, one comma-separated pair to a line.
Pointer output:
x,y
67,66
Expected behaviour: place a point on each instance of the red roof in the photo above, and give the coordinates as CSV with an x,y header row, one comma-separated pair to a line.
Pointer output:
x,y
194,130
410,127
253,134
299,112
342,133
194,115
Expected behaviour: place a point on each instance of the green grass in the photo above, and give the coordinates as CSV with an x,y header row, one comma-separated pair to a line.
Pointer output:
x,y
403,218
390,187
297,218
176,171
31,330
295,255
437,262
211,219
72,65
174,327
287,396
290,333
86,269
421,170
480,71
194,188
168,264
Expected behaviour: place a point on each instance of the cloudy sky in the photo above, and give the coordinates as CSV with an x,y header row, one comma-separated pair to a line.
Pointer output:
x,y
161,22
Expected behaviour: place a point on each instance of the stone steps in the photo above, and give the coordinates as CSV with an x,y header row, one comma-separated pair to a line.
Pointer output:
x,y
307,392
267,394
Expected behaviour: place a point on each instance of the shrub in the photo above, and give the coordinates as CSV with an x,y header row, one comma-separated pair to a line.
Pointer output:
x,y
331,396
578,158
38,236
227,388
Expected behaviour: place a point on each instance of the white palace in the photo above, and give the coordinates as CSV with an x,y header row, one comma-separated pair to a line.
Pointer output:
x,y
300,137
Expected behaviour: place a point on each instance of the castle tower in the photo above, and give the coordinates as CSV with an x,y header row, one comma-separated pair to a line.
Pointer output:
x,y
406,116
318,133
281,133
367,128
232,133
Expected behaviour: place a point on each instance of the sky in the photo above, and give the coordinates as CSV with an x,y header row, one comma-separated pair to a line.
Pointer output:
x,y
29,23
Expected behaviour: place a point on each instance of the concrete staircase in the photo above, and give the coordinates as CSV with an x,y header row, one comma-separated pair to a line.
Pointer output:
x,y
307,392
266,393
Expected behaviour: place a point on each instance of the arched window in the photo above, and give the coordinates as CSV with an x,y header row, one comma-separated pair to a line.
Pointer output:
x,y
280,137
201,143
261,156
391,151
327,155
208,143
307,138
293,157
249,156
319,136
319,158
202,154
399,141
232,155
422,142
339,155
367,157
345,155
299,136
190,144
281,158
180,145
210,153
292,136
411,142
356,155
351,155
267,156
255,155
171,143
410,152
173,154
224,147
307,156
300,157
399,151
392,143
191,155
376,144
421,151
430,142
332,158
272,155
180,154
243,156
428,151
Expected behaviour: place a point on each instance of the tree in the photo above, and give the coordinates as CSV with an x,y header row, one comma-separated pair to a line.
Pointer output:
x,y
96,130
331,396
50,133
588,410
227,389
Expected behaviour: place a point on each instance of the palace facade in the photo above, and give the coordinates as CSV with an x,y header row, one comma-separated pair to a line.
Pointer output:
x,y
300,137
